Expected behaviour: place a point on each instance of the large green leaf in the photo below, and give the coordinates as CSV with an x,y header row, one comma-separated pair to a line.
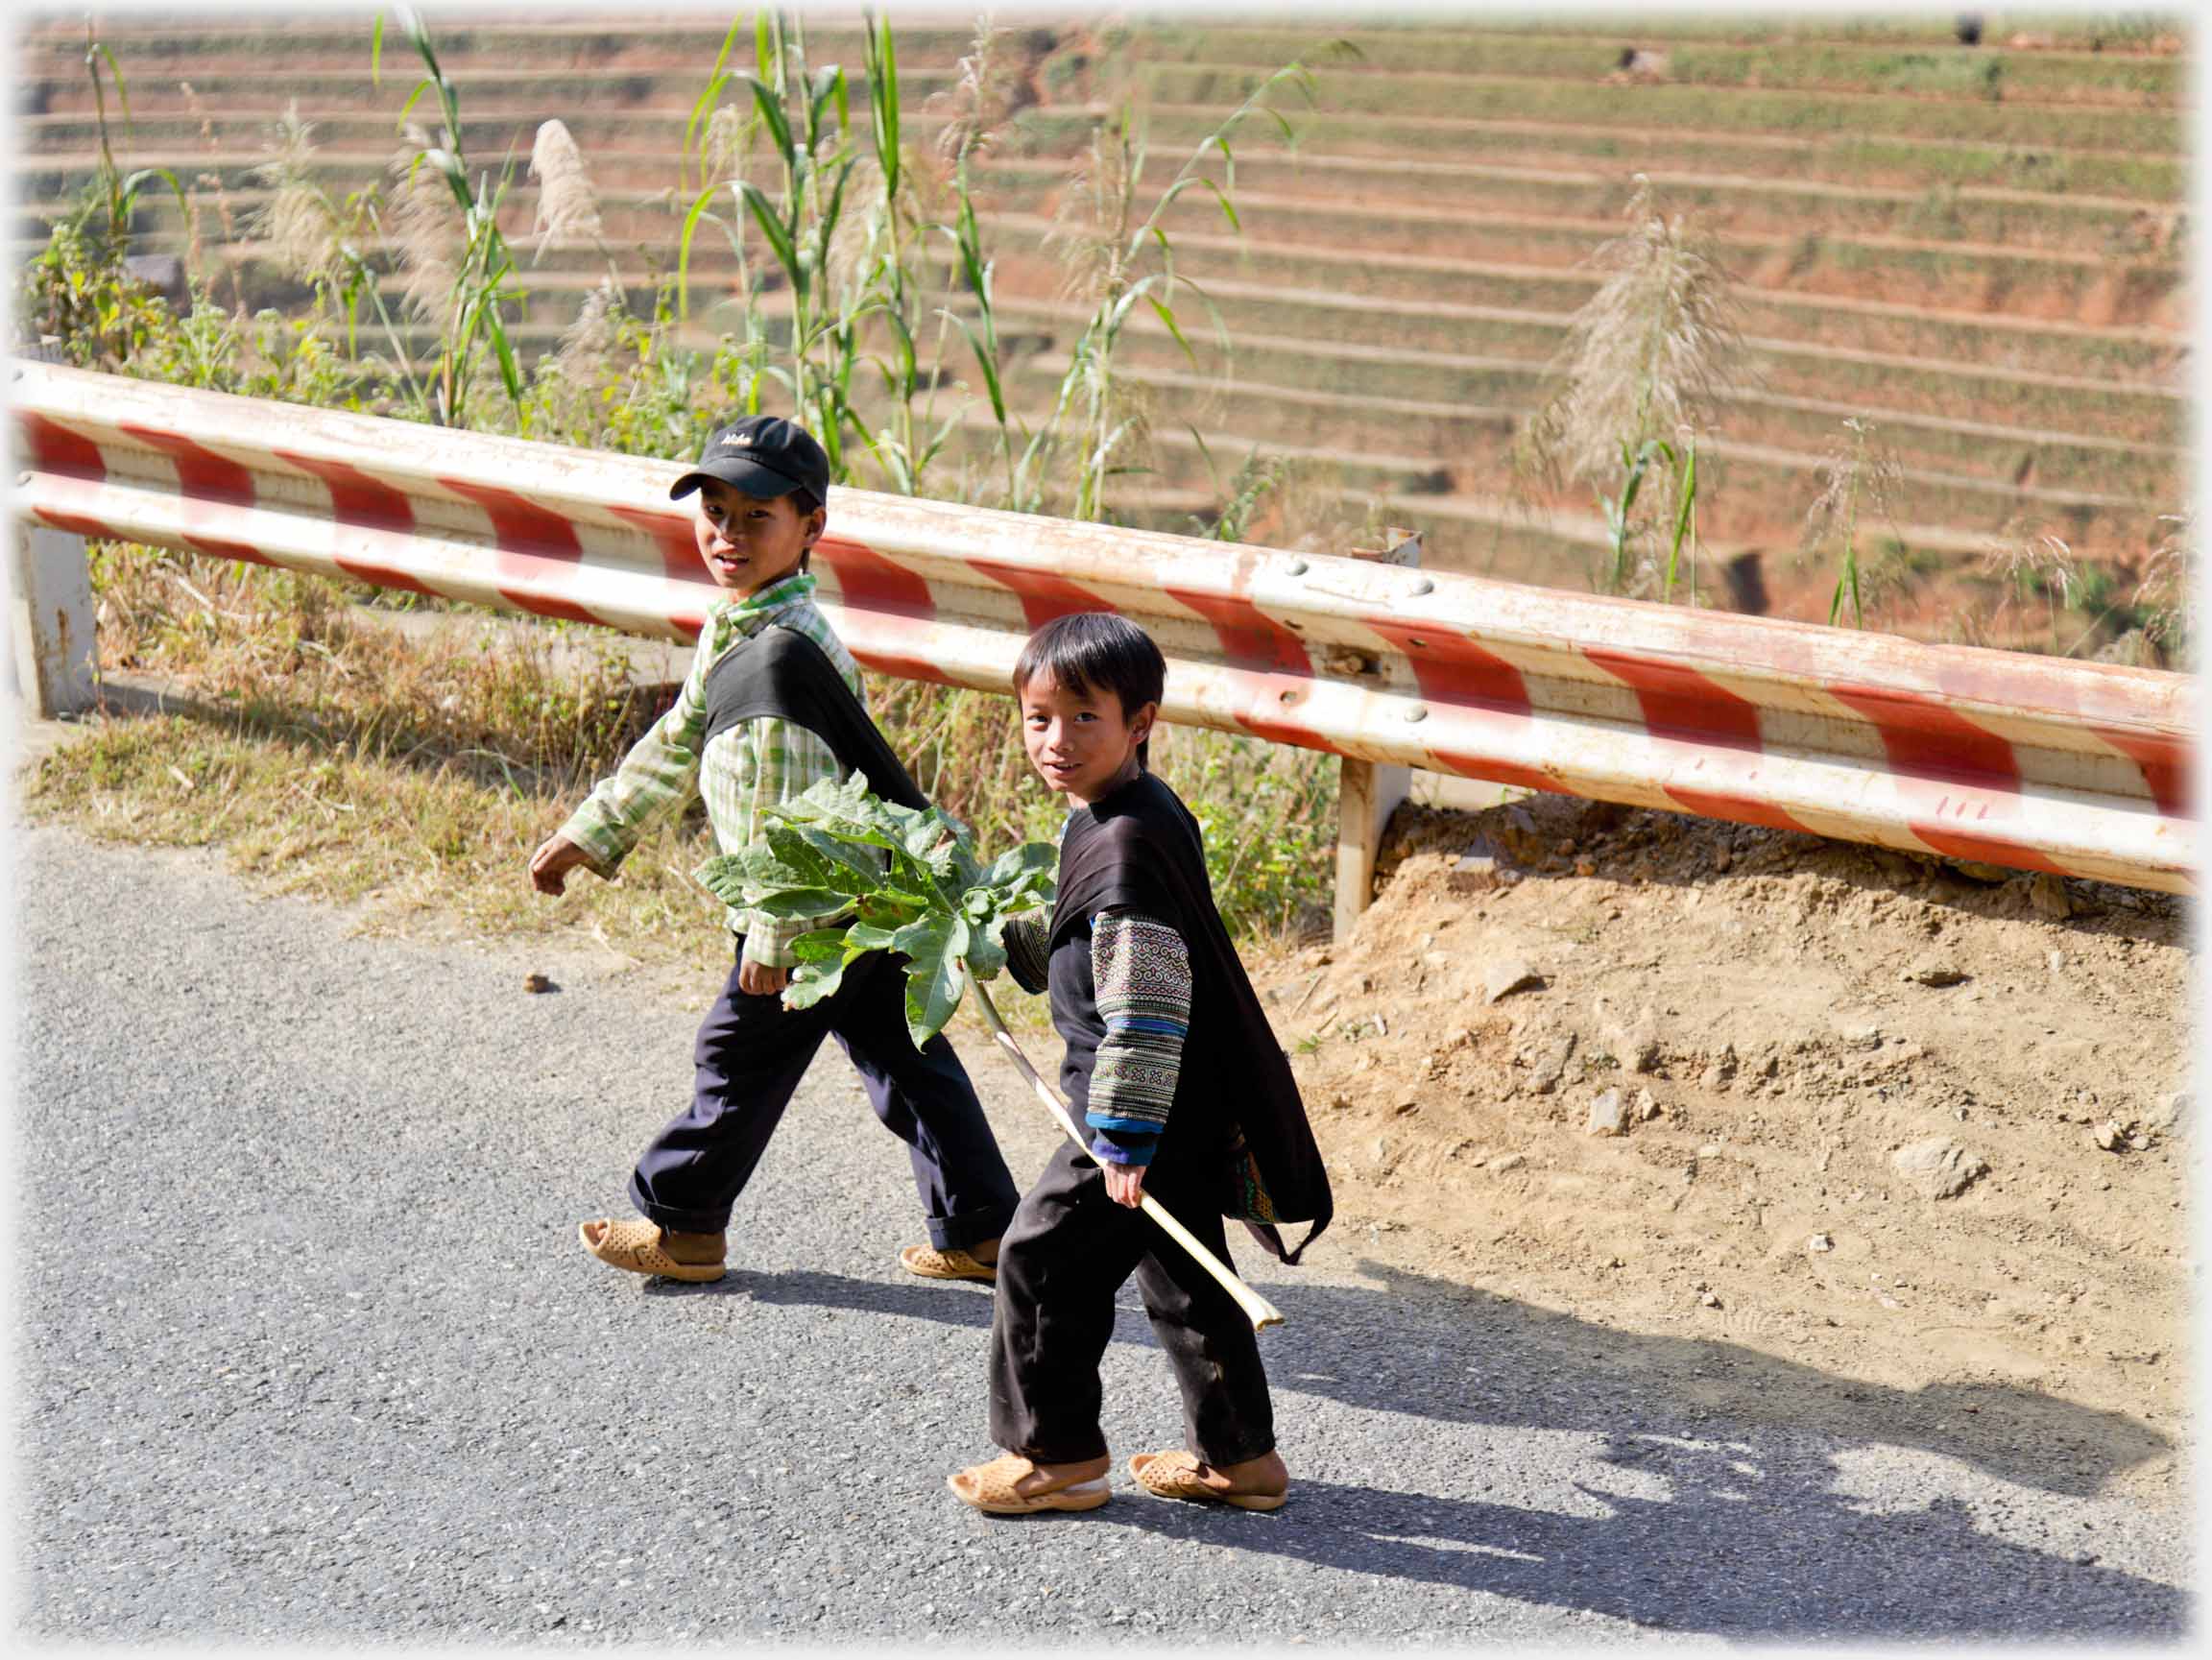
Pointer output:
x,y
910,875
802,905
933,948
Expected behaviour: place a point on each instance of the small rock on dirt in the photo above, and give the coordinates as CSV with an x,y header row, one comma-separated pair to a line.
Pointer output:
x,y
1607,1116
1934,971
539,983
1481,869
1510,974
1820,1243
1552,1066
2047,893
2111,1135
1510,1162
1942,1169
1644,1107
2171,1113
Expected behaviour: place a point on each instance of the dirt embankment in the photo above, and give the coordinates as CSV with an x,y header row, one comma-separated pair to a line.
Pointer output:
x,y
1891,1119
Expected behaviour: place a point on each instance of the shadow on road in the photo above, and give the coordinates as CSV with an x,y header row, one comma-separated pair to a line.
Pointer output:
x,y
1751,1538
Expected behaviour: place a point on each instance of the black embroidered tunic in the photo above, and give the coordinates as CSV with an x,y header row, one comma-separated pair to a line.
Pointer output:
x,y
1235,1105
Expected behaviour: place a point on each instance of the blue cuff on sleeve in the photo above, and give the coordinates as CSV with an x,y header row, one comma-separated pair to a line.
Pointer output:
x,y
1125,1146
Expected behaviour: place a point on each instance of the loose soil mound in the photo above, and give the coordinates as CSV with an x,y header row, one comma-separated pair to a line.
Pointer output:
x,y
1890,1119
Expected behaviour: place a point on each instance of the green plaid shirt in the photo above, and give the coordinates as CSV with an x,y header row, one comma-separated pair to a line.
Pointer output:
x,y
747,769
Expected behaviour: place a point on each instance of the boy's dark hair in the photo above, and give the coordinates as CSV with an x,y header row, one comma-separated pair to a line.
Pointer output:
x,y
1094,651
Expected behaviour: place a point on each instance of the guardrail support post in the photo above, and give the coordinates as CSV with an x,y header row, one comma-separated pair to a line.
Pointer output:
x,y
50,626
1368,794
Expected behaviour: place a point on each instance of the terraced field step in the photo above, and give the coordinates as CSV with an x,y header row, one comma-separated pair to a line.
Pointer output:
x,y
2132,36
1937,69
482,91
1849,156
1595,102
668,45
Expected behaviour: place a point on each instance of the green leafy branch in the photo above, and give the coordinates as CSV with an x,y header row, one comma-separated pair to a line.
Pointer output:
x,y
911,878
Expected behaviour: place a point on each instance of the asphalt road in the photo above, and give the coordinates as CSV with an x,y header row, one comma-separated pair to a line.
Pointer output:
x,y
308,1352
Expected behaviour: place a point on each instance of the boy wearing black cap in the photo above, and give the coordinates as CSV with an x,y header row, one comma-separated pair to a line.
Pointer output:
x,y
772,704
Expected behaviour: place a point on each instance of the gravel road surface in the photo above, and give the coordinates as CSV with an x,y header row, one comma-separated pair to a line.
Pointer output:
x,y
308,1351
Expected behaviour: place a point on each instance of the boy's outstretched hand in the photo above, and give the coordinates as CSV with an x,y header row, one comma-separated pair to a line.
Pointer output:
x,y
549,866
1125,1184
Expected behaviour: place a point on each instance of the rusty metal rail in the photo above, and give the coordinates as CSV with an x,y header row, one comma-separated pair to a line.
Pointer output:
x,y
2038,763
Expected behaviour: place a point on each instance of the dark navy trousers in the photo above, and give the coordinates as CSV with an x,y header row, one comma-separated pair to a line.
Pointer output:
x,y
1060,1267
751,1054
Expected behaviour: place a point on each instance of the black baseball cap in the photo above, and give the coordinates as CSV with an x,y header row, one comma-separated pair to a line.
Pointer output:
x,y
762,455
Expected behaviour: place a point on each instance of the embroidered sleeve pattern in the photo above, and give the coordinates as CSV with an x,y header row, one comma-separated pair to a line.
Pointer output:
x,y
1141,971
656,778
1025,959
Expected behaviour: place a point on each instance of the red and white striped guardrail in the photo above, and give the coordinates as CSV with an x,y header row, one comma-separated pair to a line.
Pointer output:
x,y
2037,764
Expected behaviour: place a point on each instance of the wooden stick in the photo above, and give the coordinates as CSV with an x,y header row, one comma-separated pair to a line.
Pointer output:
x,y
1257,1308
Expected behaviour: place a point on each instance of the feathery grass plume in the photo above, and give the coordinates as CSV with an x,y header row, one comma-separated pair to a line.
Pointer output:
x,y
589,342
856,238
297,221
1639,376
1857,474
578,364
728,141
567,207
2165,594
1090,230
2031,565
991,85
428,232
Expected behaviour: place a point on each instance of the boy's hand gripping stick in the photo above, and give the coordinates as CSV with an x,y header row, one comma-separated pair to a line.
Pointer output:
x,y
1257,1308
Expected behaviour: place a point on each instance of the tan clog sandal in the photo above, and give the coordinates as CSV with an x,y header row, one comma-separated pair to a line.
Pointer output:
x,y
995,1488
634,1244
1175,1476
955,1263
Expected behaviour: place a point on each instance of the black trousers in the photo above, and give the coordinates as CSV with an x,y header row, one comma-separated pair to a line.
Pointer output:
x,y
1070,1250
751,1054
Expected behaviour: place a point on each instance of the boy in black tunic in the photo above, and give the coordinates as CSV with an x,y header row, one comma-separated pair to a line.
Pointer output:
x,y
1186,1095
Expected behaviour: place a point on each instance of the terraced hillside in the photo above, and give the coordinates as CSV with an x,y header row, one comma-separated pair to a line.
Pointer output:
x,y
1979,248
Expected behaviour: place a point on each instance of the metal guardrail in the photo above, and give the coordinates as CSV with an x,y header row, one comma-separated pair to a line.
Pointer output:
x,y
2037,764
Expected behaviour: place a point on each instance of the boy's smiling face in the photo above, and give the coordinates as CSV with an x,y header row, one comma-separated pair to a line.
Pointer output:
x,y
1082,743
748,541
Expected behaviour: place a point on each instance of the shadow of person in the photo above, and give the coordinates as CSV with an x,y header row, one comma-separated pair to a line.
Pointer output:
x,y
1466,1355
1719,1507
1744,1543
1423,1347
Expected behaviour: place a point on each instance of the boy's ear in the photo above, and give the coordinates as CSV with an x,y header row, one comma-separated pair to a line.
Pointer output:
x,y
1141,723
816,522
